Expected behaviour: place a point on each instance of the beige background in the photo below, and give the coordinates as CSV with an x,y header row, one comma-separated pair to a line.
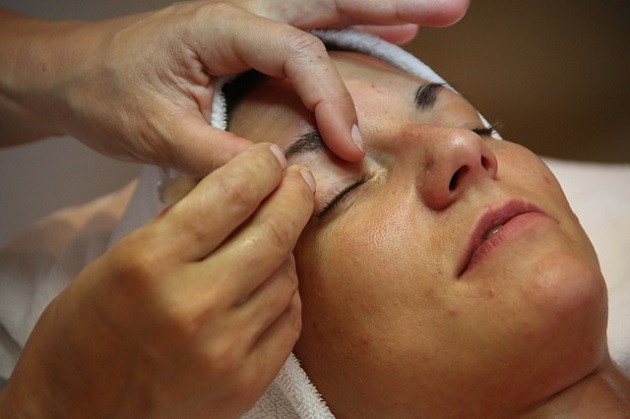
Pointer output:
x,y
555,73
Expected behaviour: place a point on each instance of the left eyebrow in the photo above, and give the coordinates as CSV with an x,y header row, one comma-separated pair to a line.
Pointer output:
x,y
425,98
309,141
427,95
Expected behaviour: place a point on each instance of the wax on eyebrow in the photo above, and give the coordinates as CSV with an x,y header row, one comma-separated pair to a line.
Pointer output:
x,y
427,95
309,141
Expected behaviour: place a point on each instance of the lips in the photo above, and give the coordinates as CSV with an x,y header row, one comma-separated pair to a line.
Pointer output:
x,y
494,228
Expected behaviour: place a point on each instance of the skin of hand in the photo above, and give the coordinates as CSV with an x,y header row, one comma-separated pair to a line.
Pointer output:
x,y
180,318
140,87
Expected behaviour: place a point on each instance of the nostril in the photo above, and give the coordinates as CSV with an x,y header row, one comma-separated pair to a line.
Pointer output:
x,y
485,163
456,176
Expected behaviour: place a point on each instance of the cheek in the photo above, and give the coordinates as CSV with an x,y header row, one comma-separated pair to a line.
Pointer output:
x,y
522,170
527,175
367,285
345,269
354,256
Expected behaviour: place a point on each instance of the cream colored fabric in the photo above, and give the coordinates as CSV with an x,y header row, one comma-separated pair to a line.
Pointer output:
x,y
40,263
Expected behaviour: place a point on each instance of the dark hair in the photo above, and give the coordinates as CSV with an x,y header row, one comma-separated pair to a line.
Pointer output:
x,y
236,89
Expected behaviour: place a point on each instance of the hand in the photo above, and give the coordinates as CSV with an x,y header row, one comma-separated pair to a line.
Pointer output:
x,y
189,316
141,87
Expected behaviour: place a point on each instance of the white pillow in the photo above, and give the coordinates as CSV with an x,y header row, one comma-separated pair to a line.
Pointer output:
x,y
600,196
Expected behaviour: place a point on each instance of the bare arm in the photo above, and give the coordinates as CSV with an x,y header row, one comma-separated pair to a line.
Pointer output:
x,y
23,60
140,87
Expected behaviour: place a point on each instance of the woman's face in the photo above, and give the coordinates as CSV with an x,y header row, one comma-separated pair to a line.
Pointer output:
x,y
443,275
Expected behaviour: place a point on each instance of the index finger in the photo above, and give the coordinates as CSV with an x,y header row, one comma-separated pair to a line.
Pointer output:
x,y
293,54
335,13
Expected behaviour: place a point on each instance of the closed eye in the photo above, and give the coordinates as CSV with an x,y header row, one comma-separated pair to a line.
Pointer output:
x,y
340,196
485,131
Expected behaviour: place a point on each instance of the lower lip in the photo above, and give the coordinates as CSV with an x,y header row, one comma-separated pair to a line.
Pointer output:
x,y
508,231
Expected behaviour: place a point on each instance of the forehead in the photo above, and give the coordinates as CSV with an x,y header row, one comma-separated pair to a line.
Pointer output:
x,y
272,111
352,65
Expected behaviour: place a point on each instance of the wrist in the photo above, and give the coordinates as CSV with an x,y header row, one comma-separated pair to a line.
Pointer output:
x,y
33,62
14,406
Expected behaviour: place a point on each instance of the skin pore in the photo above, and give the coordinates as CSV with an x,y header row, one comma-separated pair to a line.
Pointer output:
x,y
445,275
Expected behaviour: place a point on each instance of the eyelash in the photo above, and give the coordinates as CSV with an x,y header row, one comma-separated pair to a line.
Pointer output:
x,y
342,194
485,131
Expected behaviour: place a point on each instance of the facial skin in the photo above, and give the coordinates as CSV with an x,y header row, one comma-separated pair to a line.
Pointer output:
x,y
395,322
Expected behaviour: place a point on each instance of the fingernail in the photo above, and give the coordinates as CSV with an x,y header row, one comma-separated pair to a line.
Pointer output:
x,y
356,137
308,177
279,155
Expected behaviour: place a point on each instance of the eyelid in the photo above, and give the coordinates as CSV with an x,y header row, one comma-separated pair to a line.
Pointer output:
x,y
485,131
340,196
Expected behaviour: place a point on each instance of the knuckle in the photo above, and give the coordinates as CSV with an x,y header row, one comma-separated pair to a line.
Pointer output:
x,y
225,356
239,192
135,265
285,286
250,384
219,7
207,11
280,234
181,323
291,329
289,272
304,45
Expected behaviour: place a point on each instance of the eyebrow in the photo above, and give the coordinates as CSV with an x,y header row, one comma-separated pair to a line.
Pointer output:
x,y
309,141
425,98
427,95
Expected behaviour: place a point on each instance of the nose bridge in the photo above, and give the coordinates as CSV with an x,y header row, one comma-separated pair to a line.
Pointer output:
x,y
452,160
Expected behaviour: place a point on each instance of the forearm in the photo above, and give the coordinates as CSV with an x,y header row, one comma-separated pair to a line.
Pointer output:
x,y
32,54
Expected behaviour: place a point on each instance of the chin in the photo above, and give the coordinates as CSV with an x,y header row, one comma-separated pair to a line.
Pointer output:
x,y
571,287
572,298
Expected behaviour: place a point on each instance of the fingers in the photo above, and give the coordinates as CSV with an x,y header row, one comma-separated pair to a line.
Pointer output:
x,y
288,53
201,148
222,201
435,13
271,322
318,84
269,302
258,249
293,54
276,342
329,13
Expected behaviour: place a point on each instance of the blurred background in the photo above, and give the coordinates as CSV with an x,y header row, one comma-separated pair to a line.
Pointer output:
x,y
555,75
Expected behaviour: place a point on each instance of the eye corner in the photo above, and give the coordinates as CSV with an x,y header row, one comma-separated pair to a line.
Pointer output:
x,y
340,196
491,129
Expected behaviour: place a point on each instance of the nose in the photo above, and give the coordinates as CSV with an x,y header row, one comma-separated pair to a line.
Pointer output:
x,y
455,160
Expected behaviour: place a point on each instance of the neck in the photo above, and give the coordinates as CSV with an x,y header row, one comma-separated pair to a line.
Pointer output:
x,y
605,393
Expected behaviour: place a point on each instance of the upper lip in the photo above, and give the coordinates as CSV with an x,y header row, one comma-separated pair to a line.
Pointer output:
x,y
493,217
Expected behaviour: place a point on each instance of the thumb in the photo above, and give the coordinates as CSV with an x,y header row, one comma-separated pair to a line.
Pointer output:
x,y
201,148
